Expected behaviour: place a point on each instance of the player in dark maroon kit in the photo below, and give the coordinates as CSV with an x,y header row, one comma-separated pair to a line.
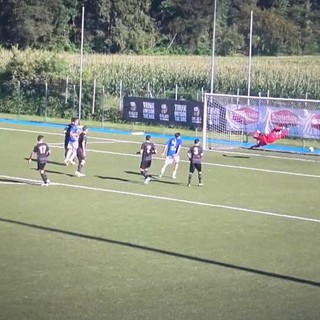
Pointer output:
x,y
82,151
263,139
195,155
42,150
147,150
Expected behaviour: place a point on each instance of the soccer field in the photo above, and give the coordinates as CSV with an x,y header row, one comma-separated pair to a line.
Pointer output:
x,y
246,245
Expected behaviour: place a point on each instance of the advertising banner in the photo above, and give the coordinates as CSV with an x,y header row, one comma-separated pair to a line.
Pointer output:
x,y
303,123
163,111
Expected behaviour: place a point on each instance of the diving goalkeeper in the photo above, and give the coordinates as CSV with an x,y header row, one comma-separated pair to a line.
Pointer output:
x,y
263,139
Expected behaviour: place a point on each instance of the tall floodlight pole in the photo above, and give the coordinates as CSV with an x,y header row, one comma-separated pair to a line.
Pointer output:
x,y
213,45
250,55
81,64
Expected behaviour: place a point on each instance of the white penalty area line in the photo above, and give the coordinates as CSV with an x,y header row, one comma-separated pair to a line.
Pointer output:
x,y
205,163
109,140
210,164
13,183
102,140
155,197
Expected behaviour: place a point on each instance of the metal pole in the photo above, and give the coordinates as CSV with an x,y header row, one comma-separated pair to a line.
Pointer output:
x,y
103,104
120,96
81,64
306,103
94,96
46,106
213,45
250,56
238,93
204,123
19,99
74,100
67,91
176,94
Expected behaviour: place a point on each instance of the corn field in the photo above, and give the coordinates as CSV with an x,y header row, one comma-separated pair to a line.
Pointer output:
x,y
107,78
292,77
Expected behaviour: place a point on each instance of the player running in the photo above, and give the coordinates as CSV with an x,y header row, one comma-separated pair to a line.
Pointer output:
x,y
195,155
147,150
82,151
263,139
42,150
172,150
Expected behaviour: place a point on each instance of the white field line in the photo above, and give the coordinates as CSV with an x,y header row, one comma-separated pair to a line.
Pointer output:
x,y
109,140
13,183
188,202
213,164
205,163
106,140
55,144
102,142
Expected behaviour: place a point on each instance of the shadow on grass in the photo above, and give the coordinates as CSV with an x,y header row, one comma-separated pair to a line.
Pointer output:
x,y
13,181
168,253
49,161
237,157
154,179
57,172
116,179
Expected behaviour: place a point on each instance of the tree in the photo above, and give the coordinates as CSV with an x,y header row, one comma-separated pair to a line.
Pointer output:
x,y
184,22
35,23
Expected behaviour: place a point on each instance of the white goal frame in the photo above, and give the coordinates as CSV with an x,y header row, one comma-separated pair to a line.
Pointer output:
x,y
240,116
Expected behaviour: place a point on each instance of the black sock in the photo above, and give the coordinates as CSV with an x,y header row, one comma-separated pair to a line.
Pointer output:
x,y
144,173
189,178
44,177
80,166
200,177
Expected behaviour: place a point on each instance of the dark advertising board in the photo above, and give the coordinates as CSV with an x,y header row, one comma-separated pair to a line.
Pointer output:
x,y
163,111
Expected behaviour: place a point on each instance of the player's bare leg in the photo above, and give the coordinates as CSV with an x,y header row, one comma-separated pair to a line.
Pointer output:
x,y
175,169
79,172
71,154
163,169
189,179
147,178
44,177
200,178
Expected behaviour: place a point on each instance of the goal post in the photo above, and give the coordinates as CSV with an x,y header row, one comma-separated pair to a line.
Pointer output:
x,y
230,120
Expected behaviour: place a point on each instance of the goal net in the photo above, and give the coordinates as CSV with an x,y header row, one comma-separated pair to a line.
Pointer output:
x,y
230,120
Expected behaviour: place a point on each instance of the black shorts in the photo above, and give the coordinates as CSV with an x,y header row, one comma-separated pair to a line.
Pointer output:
x,y
145,164
194,166
80,154
41,165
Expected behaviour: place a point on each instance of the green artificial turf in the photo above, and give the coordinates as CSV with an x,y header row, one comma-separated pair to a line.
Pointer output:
x,y
246,245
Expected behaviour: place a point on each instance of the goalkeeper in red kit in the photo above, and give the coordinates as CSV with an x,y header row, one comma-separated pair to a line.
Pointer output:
x,y
263,139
